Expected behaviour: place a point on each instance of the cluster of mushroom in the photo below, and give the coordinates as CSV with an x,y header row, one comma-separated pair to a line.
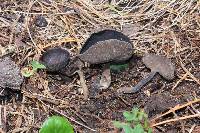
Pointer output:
x,y
104,47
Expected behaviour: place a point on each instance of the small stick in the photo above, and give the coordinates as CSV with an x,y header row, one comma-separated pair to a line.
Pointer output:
x,y
179,81
176,119
189,73
192,128
43,98
2,119
177,107
83,84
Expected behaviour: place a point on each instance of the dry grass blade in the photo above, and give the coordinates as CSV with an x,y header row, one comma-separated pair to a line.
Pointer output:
x,y
65,40
191,75
177,107
176,119
179,81
51,100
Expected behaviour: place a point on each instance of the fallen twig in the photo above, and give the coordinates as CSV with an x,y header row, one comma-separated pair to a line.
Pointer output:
x,y
46,99
179,81
177,107
188,72
2,119
176,119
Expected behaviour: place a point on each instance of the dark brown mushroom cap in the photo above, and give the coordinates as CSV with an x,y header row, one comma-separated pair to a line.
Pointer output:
x,y
159,64
55,59
106,46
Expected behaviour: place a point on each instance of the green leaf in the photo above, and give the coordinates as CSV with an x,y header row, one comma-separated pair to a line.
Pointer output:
x,y
119,124
146,123
138,129
36,65
27,72
150,130
140,115
135,112
126,126
129,116
56,124
118,67
136,117
145,115
127,129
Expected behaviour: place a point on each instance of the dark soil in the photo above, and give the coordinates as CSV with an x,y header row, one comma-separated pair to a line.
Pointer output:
x,y
107,105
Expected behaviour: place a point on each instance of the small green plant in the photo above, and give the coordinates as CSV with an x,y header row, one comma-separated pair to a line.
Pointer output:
x,y
56,124
32,68
118,67
136,121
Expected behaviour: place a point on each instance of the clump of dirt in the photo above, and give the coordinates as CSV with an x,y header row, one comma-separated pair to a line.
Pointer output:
x,y
158,103
10,76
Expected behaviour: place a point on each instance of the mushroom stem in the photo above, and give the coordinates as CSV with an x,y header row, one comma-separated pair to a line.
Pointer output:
x,y
143,82
83,84
105,80
138,86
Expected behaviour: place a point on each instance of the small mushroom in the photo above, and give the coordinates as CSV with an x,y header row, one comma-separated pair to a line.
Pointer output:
x,y
157,64
55,59
104,47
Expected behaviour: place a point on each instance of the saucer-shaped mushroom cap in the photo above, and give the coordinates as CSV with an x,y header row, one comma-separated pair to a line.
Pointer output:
x,y
106,46
159,64
55,59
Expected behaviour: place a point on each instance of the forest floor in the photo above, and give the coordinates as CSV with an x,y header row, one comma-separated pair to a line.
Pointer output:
x,y
168,28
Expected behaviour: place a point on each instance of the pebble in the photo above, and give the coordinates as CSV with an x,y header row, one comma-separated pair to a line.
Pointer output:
x,y
41,21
